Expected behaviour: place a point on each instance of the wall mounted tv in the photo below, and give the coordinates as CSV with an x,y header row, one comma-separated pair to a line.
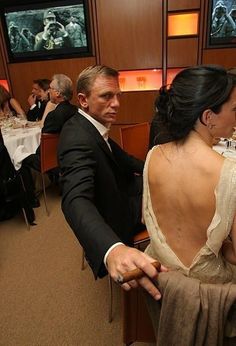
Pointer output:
x,y
47,30
221,31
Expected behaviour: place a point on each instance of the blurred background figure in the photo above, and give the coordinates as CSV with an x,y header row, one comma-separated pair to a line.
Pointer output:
x,y
54,35
222,23
30,37
19,43
38,99
9,106
74,30
61,92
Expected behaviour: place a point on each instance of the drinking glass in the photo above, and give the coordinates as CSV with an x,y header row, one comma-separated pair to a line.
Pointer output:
x,y
24,122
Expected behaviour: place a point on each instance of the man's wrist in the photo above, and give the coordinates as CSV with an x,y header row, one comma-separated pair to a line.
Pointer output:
x,y
109,250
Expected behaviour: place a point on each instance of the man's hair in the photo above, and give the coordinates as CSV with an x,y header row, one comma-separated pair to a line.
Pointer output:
x,y
87,77
42,83
64,85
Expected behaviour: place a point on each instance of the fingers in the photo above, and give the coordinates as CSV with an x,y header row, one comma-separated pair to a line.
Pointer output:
x,y
129,285
149,286
145,283
123,259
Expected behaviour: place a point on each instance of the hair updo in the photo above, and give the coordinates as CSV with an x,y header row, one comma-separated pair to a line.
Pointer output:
x,y
192,91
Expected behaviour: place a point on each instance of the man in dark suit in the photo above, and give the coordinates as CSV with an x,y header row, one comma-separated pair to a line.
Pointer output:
x,y
100,183
38,99
60,91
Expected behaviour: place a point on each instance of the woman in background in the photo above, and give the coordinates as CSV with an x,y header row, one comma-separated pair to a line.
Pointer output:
x,y
9,106
189,204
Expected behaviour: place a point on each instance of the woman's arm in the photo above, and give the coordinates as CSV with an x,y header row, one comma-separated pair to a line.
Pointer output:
x,y
17,107
229,247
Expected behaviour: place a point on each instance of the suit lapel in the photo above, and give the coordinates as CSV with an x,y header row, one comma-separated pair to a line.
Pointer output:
x,y
97,136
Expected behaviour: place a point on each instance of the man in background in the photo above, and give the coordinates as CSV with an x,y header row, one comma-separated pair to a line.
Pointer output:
x,y
61,92
54,35
102,184
75,32
38,99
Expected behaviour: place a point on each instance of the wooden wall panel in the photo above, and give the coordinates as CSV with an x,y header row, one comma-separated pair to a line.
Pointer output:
x,y
225,57
2,69
175,5
182,52
136,107
22,74
130,33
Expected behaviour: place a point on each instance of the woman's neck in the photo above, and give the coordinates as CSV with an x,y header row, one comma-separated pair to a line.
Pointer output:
x,y
201,137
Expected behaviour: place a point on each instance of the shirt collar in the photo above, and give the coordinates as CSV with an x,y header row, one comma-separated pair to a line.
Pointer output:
x,y
101,128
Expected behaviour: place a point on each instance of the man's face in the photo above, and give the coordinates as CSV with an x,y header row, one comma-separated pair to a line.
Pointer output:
x,y
36,90
103,102
53,92
49,20
43,95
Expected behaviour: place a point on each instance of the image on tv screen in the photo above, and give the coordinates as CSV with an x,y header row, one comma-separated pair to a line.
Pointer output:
x,y
46,31
222,21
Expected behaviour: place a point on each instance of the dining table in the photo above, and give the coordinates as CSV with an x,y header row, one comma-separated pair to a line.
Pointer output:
x,y
226,147
21,141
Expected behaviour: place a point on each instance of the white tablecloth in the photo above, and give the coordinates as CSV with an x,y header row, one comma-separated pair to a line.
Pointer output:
x,y
222,149
20,143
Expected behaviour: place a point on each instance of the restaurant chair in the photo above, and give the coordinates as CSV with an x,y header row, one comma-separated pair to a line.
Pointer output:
x,y
48,153
137,324
135,139
139,239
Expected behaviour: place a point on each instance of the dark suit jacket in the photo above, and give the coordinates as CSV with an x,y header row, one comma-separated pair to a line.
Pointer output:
x,y
98,189
55,119
53,123
37,112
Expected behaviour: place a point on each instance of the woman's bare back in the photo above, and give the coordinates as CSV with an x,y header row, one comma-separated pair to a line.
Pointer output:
x,y
182,184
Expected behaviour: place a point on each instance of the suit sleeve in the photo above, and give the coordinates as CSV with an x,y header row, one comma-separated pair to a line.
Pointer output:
x,y
32,114
77,160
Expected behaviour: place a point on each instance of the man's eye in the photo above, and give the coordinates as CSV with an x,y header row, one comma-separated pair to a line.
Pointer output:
x,y
107,96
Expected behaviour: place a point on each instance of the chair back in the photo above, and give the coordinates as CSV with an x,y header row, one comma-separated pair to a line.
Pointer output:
x,y
135,139
48,151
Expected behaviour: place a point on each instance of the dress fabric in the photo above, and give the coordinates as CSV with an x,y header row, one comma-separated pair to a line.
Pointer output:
x,y
208,265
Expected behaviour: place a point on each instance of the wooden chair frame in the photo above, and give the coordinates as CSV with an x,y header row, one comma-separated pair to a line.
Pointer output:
x,y
48,158
135,139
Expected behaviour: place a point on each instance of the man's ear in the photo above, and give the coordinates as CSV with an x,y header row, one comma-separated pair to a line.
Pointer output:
x,y
82,100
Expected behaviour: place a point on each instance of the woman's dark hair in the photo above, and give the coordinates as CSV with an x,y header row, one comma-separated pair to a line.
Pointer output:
x,y
192,91
4,96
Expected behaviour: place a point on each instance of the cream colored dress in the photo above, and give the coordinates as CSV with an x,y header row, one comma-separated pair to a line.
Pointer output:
x,y
209,264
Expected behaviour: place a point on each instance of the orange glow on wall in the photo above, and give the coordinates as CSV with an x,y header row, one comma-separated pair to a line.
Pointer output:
x,y
140,80
183,24
4,83
171,73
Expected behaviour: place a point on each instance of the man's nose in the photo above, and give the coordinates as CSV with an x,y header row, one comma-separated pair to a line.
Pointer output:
x,y
115,102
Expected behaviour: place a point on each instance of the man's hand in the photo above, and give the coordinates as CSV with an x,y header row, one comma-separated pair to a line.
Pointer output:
x,y
123,258
31,99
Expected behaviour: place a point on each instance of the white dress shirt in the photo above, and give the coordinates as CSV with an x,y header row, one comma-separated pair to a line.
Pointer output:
x,y
104,131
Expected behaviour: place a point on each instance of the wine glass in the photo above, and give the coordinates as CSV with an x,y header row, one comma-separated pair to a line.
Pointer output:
x,y
24,123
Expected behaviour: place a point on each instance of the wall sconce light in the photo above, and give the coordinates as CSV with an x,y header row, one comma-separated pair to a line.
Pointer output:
x,y
4,83
183,24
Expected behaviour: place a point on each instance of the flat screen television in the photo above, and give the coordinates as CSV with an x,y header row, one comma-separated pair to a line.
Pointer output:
x,y
46,30
221,29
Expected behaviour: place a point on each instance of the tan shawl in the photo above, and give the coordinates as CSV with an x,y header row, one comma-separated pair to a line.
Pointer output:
x,y
193,313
